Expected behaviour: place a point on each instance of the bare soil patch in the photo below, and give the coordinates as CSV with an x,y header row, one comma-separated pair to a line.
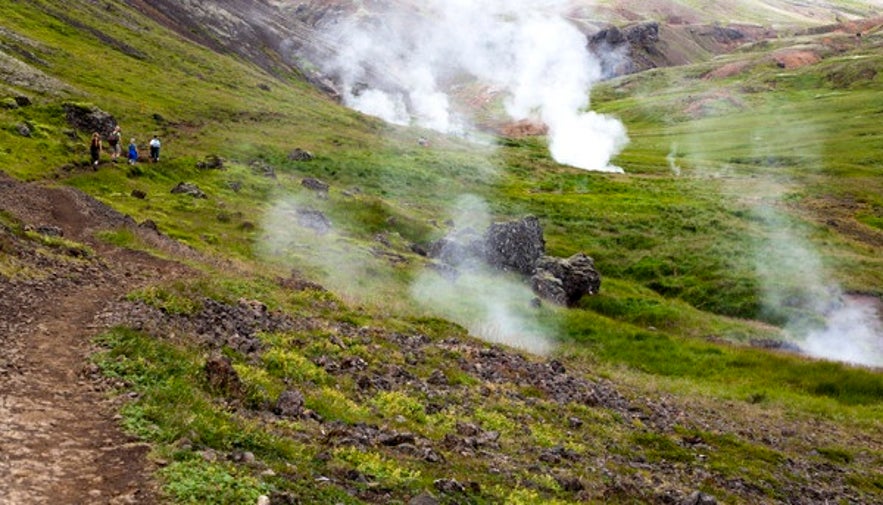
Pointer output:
x,y
60,441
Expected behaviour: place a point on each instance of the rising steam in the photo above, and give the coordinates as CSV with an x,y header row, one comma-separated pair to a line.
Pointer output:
x,y
489,305
403,64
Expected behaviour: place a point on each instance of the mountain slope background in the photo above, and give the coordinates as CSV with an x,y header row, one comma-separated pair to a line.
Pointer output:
x,y
752,193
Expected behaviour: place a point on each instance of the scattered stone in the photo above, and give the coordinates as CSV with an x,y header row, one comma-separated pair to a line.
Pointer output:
x,y
261,167
315,185
570,484
23,130
211,162
222,377
150,224
566,281
424,499
437,378
290,404
396,439
236,186
189,189
699,498
299,154
449,486
314,220
139,194
50,231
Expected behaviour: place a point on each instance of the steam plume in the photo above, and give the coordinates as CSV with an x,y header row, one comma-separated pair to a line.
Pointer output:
x,y
489,305
402,63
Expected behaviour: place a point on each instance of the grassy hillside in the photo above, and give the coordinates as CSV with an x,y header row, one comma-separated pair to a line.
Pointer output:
x,y
735,185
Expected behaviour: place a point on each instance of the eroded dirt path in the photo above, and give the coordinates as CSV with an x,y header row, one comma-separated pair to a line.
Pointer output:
x,y
60,441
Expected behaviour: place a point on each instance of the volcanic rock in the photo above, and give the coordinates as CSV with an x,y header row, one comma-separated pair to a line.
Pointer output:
x,y
314,220
89,118
289,404
699,498
50,231
222,377
211,162
261,167
189,189
299,154
315,184
565,281
424,499
515,245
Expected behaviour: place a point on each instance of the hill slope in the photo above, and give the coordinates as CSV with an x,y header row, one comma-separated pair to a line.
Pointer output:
x,y
338,383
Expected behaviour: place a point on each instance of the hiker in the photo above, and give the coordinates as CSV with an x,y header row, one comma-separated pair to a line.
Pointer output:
x,y
95,149
154,149
114,140
133,152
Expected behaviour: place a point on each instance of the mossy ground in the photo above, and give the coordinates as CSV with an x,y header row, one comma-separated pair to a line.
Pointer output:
x,y
676,239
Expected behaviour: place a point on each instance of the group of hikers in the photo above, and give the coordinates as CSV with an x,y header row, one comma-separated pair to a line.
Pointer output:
x,y
114,140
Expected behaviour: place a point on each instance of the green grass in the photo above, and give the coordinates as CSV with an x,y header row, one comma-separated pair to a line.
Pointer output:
x,y
679,249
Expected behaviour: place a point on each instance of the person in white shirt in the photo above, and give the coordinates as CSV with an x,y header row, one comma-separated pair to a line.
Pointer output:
x,y
154,149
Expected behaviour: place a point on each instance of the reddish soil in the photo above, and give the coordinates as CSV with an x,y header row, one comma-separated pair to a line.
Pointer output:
x,y
60,441
793,58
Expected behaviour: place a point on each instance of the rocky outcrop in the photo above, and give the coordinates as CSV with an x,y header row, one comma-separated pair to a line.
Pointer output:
x,y
88,118
186,188
566,281
518,246
515,245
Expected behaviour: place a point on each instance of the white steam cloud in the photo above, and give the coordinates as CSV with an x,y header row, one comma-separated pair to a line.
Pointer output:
x,y
827,322
402,64
491,306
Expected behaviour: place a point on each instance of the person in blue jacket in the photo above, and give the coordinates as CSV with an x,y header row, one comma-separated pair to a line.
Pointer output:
x,y
133,152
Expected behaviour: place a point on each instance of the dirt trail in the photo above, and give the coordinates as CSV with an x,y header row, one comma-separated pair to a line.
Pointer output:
x,y
60,441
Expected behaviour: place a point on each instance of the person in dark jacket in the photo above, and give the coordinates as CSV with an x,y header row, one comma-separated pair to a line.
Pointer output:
x,y
95,149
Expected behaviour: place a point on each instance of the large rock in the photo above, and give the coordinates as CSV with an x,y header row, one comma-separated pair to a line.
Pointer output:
x,y
515,245
222,377
290,404
89,118
565,281
186,188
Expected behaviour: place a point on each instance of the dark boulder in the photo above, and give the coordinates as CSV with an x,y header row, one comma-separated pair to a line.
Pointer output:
x,y
424,499
315,185
22,101
187,188
300,155
289,404
699,498
89,118
50,231
263,168
515,245
458,249
211,162
565,281
314,220
222,377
